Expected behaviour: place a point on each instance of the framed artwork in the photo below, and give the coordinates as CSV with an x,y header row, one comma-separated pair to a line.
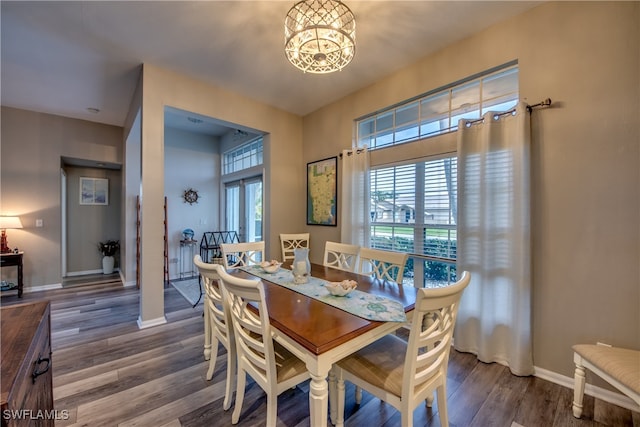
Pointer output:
x,y
322,192
94,191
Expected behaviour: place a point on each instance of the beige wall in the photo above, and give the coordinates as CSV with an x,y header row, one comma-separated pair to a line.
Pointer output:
x,y
283,181
88,224
32,145
586,160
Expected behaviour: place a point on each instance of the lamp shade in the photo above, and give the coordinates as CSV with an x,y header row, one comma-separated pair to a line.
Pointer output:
x,y
10,222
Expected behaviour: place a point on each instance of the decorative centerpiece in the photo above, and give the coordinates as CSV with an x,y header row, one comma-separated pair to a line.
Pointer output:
x,y
341,289
270,266
301,266
108,250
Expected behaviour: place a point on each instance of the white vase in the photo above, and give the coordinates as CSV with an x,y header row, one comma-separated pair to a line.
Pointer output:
x,y
107,264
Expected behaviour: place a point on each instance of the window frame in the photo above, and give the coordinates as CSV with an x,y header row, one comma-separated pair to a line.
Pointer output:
x,y
243,157
385,131
428,147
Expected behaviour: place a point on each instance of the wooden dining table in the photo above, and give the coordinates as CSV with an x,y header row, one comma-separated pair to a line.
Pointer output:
x,y
320,334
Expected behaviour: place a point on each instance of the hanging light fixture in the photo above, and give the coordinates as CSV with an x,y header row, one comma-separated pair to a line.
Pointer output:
x,y
320,36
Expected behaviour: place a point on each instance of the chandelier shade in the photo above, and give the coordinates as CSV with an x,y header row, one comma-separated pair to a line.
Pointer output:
x,y
320,36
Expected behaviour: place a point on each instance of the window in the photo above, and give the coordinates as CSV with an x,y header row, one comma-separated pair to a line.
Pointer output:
x,y
413,203
439,112
413,210
243,157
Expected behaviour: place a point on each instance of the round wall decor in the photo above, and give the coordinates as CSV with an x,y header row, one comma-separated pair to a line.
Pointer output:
x,y
190,196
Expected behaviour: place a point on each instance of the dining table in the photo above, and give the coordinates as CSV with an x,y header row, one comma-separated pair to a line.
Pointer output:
x,y
321,334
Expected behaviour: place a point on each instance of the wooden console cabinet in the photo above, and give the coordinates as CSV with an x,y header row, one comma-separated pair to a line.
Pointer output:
x,y
26,368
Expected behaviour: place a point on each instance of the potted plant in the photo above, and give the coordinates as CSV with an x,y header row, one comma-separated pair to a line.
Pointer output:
x,y
108,250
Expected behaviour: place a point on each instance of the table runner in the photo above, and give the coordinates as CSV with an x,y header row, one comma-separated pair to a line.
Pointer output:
x,y
362,304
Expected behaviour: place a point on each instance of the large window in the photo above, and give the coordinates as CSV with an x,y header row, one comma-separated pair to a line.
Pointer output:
x,y
439,112
413,188
413,209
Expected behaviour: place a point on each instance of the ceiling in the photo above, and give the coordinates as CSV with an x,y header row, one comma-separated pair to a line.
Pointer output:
x,y
65,57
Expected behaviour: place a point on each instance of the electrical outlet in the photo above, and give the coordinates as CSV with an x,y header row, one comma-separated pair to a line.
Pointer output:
x,y
39,223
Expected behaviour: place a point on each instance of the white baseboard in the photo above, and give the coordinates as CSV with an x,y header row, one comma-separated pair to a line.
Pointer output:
x,y
83,273
42,288
143,324
595,391
126,284
87,272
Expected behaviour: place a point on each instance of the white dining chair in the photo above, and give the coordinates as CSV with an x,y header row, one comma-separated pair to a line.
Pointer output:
x,y
218,327
270,365
290,242
242,254
406,381
342,256
384,265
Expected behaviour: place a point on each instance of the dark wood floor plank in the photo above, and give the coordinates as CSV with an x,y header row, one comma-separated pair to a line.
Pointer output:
x,y
108,372
500,406
539,404
564,414
610,415
472,393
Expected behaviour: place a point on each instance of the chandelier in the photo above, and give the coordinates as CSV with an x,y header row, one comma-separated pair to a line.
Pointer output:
x,y
320,36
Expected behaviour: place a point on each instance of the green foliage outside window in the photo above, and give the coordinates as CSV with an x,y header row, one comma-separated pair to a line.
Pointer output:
x,y
436,271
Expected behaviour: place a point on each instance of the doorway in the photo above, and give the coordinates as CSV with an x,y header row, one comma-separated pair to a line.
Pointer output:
x,y
243,208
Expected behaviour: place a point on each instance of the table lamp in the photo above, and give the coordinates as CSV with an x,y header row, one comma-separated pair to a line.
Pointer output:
x,y
7,222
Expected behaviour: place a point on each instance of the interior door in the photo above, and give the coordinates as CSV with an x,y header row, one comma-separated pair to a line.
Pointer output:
x,y
243,212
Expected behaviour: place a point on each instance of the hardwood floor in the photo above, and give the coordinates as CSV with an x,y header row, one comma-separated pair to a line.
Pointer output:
x,y
107,372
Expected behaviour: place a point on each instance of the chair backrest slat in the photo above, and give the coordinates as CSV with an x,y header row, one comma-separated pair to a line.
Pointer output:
x,y
384,265
342,256
290,242
241,254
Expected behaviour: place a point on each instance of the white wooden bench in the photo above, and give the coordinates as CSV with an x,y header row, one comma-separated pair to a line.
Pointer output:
x,y
620,367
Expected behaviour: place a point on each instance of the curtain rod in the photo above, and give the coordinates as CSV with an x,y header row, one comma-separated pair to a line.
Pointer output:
x,y
350,152
545,103
496,116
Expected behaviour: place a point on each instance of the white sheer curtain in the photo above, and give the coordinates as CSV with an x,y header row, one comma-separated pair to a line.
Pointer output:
x,y
354,197
494,242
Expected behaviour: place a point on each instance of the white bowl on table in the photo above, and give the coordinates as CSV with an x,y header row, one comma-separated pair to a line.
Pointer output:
x,y
341,289
270,266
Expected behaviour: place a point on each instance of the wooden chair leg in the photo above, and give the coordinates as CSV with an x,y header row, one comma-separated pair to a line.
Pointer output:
x,y
213,357
442,406
578,390
242,379
207,333
358,395
339,422
231,383
272,408
333,392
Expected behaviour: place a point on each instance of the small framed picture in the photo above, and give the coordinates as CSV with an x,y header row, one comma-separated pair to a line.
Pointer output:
x,y
322,192
94,191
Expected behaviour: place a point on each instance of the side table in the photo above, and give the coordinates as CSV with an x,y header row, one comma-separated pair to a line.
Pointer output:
x,y
10,260
187,252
